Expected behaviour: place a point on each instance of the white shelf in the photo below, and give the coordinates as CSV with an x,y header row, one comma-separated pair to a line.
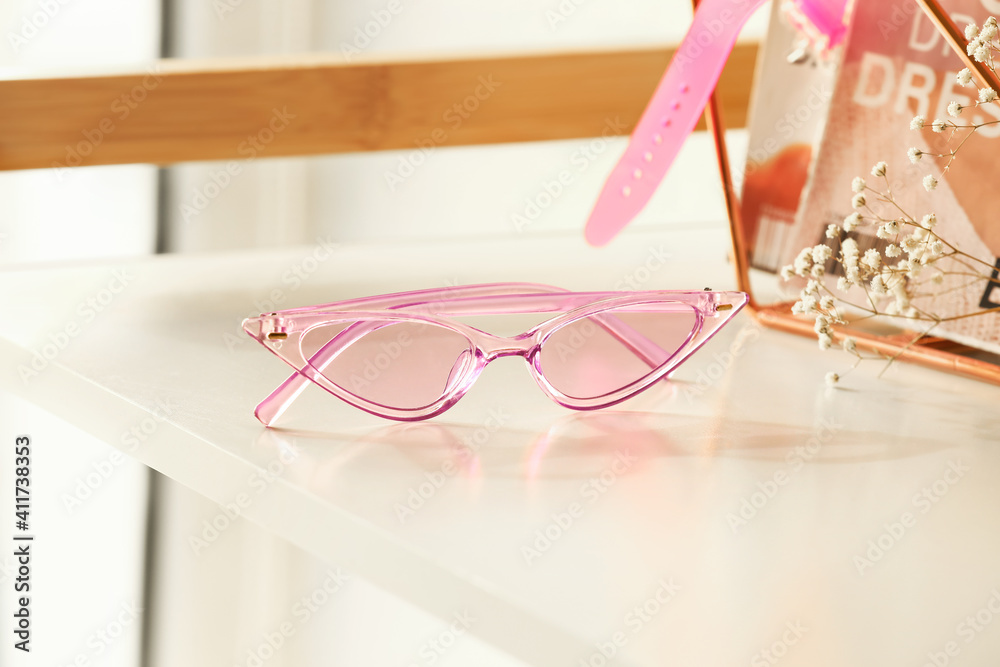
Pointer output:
x,y
695,453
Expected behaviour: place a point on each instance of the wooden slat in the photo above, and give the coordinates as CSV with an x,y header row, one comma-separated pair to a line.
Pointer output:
x,y
192,112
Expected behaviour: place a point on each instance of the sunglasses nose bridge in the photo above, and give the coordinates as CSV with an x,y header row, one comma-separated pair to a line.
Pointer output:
x,y
508,347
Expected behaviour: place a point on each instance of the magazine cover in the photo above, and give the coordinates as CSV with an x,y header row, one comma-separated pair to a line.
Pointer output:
x,y
896,66
788,110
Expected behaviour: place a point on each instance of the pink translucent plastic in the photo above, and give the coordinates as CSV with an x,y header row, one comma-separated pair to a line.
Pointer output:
x,y
408,357
679,101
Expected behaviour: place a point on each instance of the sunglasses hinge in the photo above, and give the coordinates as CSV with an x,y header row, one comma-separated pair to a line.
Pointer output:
x,y
274,328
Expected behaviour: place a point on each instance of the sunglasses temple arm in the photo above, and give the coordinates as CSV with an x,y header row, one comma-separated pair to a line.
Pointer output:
x,y
638,344
272,407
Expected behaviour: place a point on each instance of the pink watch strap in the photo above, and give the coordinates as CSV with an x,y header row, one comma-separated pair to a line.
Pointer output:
x,y
671,115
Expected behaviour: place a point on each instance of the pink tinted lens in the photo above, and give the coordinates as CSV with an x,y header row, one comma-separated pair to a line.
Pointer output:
x,y
600,354
401,365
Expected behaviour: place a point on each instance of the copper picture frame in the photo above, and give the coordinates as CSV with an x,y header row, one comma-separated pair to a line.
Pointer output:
x,y
930,352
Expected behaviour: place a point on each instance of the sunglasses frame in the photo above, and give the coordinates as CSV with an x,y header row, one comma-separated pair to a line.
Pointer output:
x,y
282,333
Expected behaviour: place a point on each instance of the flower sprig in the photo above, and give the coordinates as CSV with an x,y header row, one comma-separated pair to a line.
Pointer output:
x,y
913,264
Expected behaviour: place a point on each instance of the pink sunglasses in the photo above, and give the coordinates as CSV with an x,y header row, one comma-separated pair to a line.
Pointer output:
x,y
407,356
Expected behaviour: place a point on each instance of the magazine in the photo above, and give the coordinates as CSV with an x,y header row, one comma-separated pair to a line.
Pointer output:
x,y
896,65
789,107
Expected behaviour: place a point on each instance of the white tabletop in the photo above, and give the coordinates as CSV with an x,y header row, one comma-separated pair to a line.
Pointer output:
x,y
743,513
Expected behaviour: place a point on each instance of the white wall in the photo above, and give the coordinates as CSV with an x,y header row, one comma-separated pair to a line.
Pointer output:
x,y
463,191
88,509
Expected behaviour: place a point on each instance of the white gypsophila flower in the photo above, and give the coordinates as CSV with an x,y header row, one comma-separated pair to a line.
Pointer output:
x,y
852,221
826,303
936,248
929,221
920,234
817,271
821,253
987,95
872,259
890,228
803,262
893,250
971,47
964,77
971,32
902,298
859,201
843,284
938,279
988,33
939,126
832,379
850,345
982,53
811,289
825,341
917,123
915,154
911,244
930,183
787,272
911,312
893,281
858,184
879,169
955,109
849,248
808,305
832,231
821,325
877,285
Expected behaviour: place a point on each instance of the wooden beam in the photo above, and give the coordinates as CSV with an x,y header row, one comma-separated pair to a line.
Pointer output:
x,y
185,111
